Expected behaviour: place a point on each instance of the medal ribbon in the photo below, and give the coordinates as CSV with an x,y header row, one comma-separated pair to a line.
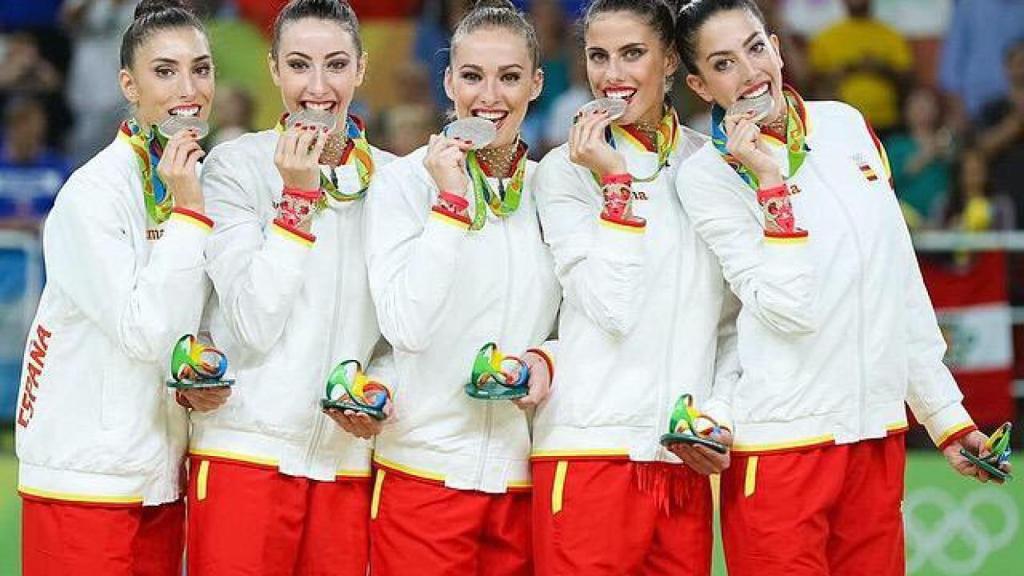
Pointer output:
x,y
357,149
666,139
502,203
796,136
148,150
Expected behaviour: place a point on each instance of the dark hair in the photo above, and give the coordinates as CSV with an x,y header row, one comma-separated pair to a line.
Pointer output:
x,y
692,15
152,16
658,14
337,11
503,14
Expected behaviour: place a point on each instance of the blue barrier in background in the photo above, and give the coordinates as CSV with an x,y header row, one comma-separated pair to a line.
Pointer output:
x,y
21,280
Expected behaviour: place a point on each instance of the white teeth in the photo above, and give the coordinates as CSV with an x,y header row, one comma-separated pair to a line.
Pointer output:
x,y
760,91
318,105
620,94
492,116
185,111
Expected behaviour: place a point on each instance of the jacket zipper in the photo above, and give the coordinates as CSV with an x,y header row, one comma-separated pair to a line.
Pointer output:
x,y
320,418
489,409
862,387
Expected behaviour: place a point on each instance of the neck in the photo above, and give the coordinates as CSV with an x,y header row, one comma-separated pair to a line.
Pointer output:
x,y
649,120
500,159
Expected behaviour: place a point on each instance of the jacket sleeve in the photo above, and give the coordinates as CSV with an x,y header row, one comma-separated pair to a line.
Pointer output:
x,y
932,393
257,272
773,277
142,308
727,363
599,265
411,257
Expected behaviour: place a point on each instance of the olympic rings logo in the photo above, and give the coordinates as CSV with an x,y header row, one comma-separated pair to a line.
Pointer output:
x,y
958,522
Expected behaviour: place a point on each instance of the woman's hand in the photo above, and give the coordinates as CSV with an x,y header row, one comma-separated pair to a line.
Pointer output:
x,y
359,424
702,459
446,164
297,156
177,170
588,147
974,442
745,145
205,399
539,382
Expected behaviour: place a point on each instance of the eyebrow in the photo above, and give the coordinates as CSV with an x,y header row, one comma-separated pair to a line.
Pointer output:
x,y
161,60
478,68
749,39
308,57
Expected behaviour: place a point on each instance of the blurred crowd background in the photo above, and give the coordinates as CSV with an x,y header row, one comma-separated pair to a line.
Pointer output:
x,y
942,82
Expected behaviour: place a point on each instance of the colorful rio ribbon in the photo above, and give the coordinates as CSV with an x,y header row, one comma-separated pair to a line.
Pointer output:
x,y
667,136
998,445
503,202
357,150
197,365
148,149
688,425
796,137
348,388
496,376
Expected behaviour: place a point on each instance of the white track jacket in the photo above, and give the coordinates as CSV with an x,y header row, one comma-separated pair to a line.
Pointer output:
x,y
442,292
289,308
645,313
836,332
95,422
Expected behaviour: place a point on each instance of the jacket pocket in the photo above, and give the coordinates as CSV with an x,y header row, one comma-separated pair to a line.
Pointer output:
x,y
558,486
202,477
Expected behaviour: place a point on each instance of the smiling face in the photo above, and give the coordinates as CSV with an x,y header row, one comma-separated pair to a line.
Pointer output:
x,y
736,58
492,77
627,60
172,74
317,66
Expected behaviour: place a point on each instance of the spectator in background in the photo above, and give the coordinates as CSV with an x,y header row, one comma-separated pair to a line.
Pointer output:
x,y
433,34
921,158
1001,132
406,127
30,172
863,62
973,207
92,91
25,70
233,113
550,22
979,34
563,109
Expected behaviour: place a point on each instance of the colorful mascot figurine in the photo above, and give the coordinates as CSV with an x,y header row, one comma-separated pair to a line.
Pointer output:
x,y
348,388
689,426
197,365
998,445
496,376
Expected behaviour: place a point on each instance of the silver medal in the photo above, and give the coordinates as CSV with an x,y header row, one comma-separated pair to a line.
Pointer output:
x,y
174,124
308,117
476,132
615,107
761,107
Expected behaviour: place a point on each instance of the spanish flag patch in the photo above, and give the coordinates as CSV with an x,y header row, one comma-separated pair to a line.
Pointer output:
x,y
868,171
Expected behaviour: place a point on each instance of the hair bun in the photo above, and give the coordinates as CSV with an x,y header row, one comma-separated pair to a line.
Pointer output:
x,y
495,4
150,7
